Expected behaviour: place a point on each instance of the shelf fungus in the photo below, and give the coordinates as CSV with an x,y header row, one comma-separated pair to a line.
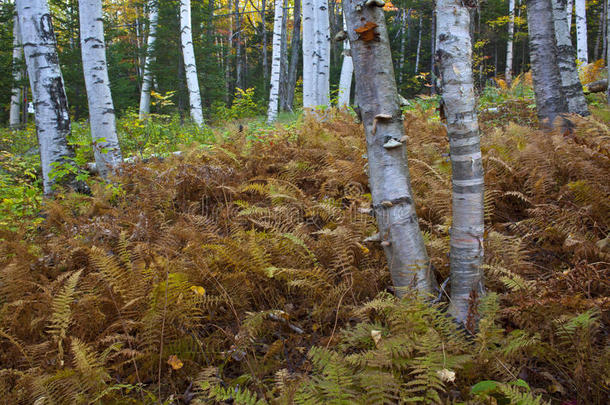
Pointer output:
x,y
387,204
379,117
392,143
374,3
385,243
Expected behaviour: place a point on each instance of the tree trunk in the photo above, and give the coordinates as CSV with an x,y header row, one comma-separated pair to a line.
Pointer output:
x,y
388,170
418,46
265,45
432,51
284,58
600,33
239,74
454,53
52,114
508,72
322,41
101,108
14,114
581,31
550,102
147,77
570,83
347,71
569,10
276,62
294,56
190,68
401,60
309,59
608,49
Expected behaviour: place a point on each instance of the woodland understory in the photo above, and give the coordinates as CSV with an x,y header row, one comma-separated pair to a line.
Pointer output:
x,y
237,272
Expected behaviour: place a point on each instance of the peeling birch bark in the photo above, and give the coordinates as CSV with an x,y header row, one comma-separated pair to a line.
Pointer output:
x,y
454,52
101,108
15,109
550,102
389,179
276,59
570,82
190,68
50,102
147,77
322,52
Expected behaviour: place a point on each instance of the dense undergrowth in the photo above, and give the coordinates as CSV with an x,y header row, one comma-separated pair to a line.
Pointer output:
x,y
237,273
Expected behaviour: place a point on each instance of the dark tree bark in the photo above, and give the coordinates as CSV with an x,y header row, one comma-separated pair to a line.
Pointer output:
x,y
295,52
550,101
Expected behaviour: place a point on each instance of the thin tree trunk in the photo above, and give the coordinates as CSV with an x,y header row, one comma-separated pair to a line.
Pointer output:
x,y
401,60
284,58
309,59
239,74
600,33
294,56
454,53
581,31
265,44
101,108
15,110
347,71
508,72
418,45
550,102
147,77
569,11
190,68
276,62
608,48
570,83
52,113
432,51
388,170
322,41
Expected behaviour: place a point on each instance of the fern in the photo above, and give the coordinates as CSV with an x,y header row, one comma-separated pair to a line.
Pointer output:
x,y
62,312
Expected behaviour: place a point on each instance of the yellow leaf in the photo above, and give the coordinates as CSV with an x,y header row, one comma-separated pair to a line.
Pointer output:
x,y
175,362
376,335
197,289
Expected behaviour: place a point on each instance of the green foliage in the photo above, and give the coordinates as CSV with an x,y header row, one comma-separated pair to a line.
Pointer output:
x,y
244,106
515,392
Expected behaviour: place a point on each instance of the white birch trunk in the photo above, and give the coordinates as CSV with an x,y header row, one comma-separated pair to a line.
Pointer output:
x,y
570,82
190,67
581,31
569,10
322,50
49,96
508,73
309,59
401,58
276,62
101,109
347,71
454,51
15,110
388,169
147,77
418,46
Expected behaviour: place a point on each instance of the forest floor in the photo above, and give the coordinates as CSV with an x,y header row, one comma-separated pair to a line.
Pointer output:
x,y
237,272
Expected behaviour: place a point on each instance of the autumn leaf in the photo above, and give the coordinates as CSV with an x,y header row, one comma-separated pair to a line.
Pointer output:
x,y
389,7
367,32
175,362
376,335
197,289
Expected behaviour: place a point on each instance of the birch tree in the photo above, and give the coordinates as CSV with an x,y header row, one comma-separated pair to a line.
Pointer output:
x,y
294,56
347,71
550,102
309,59
399,232
508,73
147,77
608,49
322,51
581,30
51,105
276,59
15,109
454,52
101,108
418,45
570,82
190,68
